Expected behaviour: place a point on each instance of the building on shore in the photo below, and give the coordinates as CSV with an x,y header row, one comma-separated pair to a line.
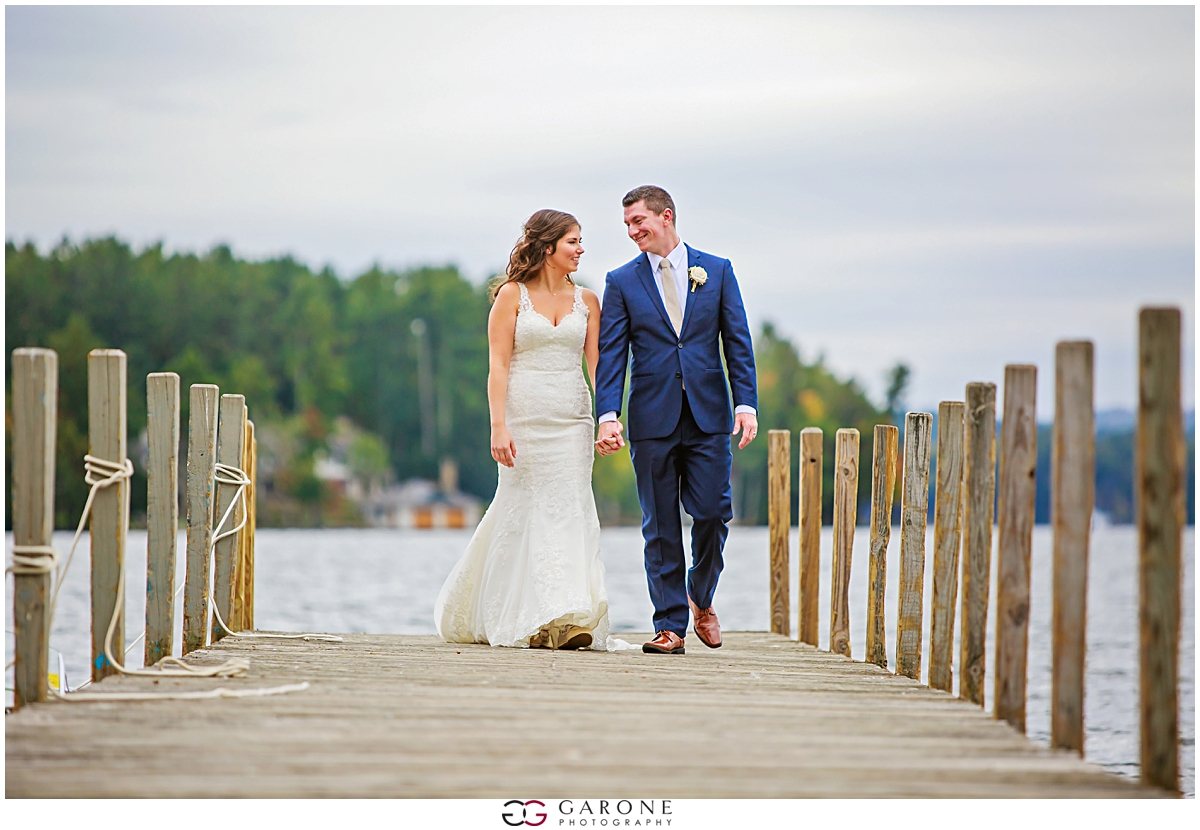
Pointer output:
x,y
420,503
415,503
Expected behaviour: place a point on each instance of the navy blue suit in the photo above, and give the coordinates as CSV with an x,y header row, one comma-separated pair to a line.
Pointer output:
x,y
679,418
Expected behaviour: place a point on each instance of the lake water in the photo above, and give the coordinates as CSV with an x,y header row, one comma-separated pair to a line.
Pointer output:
x,y
385,581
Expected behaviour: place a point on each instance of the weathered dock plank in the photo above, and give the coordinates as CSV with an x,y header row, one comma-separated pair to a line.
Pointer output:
x,y
403,716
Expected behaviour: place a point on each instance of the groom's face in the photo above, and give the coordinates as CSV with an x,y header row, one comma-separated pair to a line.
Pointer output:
x,y
648,229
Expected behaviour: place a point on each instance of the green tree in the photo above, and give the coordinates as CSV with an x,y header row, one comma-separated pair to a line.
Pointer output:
x,y
368,457
793,395
212,318
897,385
382,368
615,488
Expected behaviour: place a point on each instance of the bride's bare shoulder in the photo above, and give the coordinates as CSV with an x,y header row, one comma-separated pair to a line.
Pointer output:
x,y
590,299
506,303
508,295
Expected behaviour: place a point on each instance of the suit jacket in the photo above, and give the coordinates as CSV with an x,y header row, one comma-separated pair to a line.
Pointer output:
x,y
714,319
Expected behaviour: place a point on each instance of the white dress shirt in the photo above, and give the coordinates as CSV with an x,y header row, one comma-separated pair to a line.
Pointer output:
x,y
678,259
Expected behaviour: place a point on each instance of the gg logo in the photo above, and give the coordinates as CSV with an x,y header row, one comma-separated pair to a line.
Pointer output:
x,y
510,817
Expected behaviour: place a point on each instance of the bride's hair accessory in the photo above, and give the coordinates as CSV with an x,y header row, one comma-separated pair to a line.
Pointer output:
x,y
698,277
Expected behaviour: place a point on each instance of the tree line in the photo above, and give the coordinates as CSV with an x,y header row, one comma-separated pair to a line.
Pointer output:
x,y
401,354
303,346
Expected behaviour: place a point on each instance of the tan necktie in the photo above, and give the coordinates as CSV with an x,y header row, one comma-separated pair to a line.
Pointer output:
x,y
671,297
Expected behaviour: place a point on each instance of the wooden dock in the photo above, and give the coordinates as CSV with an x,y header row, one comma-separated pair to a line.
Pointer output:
x,y
406,716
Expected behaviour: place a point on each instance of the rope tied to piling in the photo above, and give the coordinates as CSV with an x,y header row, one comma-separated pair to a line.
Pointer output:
x,y
231,475
100,473
234,666
32,559
39,559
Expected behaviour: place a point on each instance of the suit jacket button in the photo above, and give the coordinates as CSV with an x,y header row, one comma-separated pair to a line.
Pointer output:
x,y
679,374
680,345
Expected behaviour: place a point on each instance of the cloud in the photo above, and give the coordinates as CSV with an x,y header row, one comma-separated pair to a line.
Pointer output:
x,y
890,183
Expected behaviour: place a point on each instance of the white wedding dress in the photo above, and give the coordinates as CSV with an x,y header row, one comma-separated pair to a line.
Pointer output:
x,y
532,569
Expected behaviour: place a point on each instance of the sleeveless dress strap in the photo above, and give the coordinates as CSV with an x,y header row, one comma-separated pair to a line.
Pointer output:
x,y
525,304
579,305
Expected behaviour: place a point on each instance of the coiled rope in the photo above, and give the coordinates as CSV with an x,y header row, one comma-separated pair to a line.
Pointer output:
x,y
42,559
33,559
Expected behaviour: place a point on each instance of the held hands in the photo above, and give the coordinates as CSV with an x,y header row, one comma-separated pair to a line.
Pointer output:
x,y
747,425
608,438
503,448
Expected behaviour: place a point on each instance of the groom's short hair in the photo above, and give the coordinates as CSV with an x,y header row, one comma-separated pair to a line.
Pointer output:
x,y
655,198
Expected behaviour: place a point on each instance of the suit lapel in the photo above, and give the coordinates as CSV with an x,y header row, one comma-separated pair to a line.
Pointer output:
x,y
647,277
691,295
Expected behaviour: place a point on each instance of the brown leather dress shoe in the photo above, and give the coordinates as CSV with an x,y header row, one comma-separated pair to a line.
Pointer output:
x,y
664,642
705,623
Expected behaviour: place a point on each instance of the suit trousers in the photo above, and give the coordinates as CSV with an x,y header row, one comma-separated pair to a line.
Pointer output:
x,y
693,467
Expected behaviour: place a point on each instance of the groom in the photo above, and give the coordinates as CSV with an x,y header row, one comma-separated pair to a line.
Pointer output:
x,y
677,309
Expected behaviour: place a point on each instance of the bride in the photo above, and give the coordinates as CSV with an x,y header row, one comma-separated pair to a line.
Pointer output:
x,y
531,576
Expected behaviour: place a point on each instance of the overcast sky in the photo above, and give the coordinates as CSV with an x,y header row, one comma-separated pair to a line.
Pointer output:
x,y
957,188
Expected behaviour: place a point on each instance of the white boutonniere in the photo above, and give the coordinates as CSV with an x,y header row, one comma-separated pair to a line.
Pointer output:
x,y
698,276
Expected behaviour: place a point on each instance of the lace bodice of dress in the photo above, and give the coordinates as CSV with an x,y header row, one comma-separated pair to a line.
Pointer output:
x,y
540,345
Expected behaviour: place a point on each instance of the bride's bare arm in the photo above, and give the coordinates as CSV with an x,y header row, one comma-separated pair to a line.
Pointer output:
x,y
502,323
591,345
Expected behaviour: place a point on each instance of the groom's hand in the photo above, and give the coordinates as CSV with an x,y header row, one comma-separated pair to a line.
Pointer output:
x,y
608,439
747,425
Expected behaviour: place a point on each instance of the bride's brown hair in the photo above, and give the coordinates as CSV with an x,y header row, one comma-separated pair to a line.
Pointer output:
x,y
542,232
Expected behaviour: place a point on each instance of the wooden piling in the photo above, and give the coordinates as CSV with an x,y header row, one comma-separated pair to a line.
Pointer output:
x,y
1018,480
162,511
1072,498
201,465
883,484
110,508
947,536
252,524
34,425
239,576
811,451
779,521
979,492
1159,498
231,436
845,511
914,506
242,576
